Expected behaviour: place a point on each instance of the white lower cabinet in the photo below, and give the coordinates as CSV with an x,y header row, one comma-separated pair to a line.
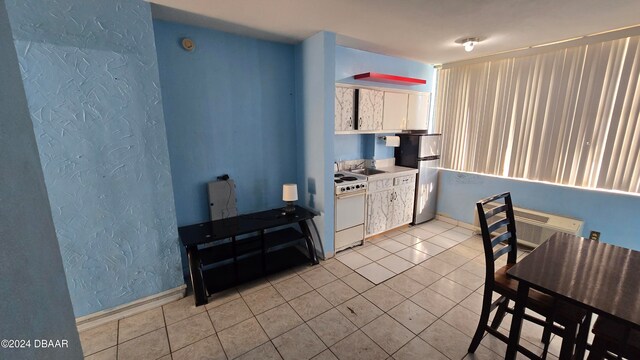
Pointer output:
x,y
378,211
403,204
389,205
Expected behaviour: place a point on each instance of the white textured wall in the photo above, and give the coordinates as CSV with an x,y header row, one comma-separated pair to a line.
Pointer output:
x,y
91,78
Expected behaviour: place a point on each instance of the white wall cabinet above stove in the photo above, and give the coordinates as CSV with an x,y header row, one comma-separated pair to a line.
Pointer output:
x,y
370,109
367,111
345,111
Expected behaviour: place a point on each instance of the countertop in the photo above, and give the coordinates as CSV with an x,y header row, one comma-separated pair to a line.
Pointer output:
x,y
391,172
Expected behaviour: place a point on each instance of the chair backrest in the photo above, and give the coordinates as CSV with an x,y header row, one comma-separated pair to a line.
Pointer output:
x,y
495,215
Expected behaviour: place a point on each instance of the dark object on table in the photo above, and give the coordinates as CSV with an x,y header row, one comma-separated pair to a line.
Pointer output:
x,y
613,337
503,221
231,260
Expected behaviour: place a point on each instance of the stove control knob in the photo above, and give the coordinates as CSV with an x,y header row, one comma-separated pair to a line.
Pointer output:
x,y
342,189
357,186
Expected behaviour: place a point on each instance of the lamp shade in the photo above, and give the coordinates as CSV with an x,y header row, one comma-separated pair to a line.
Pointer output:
x,y
289,192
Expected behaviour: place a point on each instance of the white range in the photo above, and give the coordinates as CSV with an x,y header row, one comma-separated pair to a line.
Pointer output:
x,y
350,202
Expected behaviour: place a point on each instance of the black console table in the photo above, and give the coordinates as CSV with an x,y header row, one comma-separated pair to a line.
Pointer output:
x,y
230,260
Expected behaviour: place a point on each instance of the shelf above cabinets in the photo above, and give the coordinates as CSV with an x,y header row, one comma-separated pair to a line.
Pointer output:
x,y
389,79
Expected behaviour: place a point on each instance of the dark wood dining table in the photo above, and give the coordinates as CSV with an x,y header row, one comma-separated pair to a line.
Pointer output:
x,y
598,277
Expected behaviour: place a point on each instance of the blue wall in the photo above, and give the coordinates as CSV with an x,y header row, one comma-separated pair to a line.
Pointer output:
x,y
615,215
350,62
315,97
35,297
229,109
91,78
349,147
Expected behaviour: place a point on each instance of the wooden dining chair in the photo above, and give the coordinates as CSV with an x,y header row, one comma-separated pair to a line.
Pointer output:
x,y
614,341
495,215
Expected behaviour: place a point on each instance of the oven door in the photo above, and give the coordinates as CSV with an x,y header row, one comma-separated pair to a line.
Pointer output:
x,y
349,210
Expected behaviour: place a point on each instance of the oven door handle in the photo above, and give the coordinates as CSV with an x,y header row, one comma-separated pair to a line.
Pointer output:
x,y
350,195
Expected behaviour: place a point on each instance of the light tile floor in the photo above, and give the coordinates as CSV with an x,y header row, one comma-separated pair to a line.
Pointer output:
x,y
414,293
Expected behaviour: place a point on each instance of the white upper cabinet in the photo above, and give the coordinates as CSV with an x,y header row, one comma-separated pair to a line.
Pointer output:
x,y
368,111
418,114
370,105
395,111
344,109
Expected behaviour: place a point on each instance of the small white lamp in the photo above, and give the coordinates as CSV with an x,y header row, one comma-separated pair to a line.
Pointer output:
x,y
289,195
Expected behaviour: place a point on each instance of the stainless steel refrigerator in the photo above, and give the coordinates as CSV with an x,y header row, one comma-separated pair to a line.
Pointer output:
x,y
421,151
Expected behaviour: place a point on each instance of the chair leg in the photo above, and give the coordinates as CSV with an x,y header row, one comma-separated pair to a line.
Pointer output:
x,y
583,335
484,319
546,333
500,312
598,349
568,341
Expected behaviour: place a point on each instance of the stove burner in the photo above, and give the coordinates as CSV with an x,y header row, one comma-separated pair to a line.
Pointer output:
x,y
338,175
349,178
338,181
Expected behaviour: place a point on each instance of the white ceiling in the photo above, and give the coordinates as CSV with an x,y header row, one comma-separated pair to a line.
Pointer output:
x,y
424,30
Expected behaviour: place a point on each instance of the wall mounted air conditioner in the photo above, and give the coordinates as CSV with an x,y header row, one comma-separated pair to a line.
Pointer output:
x,y
535,227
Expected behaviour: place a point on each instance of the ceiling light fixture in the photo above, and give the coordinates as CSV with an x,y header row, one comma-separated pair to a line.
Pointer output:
x,y
469,44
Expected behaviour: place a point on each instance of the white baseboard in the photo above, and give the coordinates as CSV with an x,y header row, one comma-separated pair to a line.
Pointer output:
x,y
455,222
447,219
129,309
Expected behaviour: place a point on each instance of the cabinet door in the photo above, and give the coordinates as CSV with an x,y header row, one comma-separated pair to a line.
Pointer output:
x,y
395,212
370,105
395,111
378,211
402,200
404,203
344,109
418,113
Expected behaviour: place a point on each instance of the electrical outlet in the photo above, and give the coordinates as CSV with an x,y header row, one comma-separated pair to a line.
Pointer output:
x,y
594,235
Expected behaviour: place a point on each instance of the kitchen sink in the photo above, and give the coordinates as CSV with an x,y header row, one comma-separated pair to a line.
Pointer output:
x,y
367,171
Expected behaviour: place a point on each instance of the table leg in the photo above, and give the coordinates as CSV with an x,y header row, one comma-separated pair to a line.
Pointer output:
x,y
264,253
235,258
307,235
197,280
516,321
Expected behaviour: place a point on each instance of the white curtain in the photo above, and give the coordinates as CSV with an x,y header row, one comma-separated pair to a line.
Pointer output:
x,y
569,116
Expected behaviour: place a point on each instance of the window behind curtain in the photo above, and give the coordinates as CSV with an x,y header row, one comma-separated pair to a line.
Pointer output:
x,y
570,116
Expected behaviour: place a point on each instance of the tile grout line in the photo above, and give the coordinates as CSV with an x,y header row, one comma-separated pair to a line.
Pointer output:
x,y
118,337
166,330
457,303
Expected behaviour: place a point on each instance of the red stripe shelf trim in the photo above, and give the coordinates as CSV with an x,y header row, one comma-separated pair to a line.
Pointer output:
x,y
389,79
